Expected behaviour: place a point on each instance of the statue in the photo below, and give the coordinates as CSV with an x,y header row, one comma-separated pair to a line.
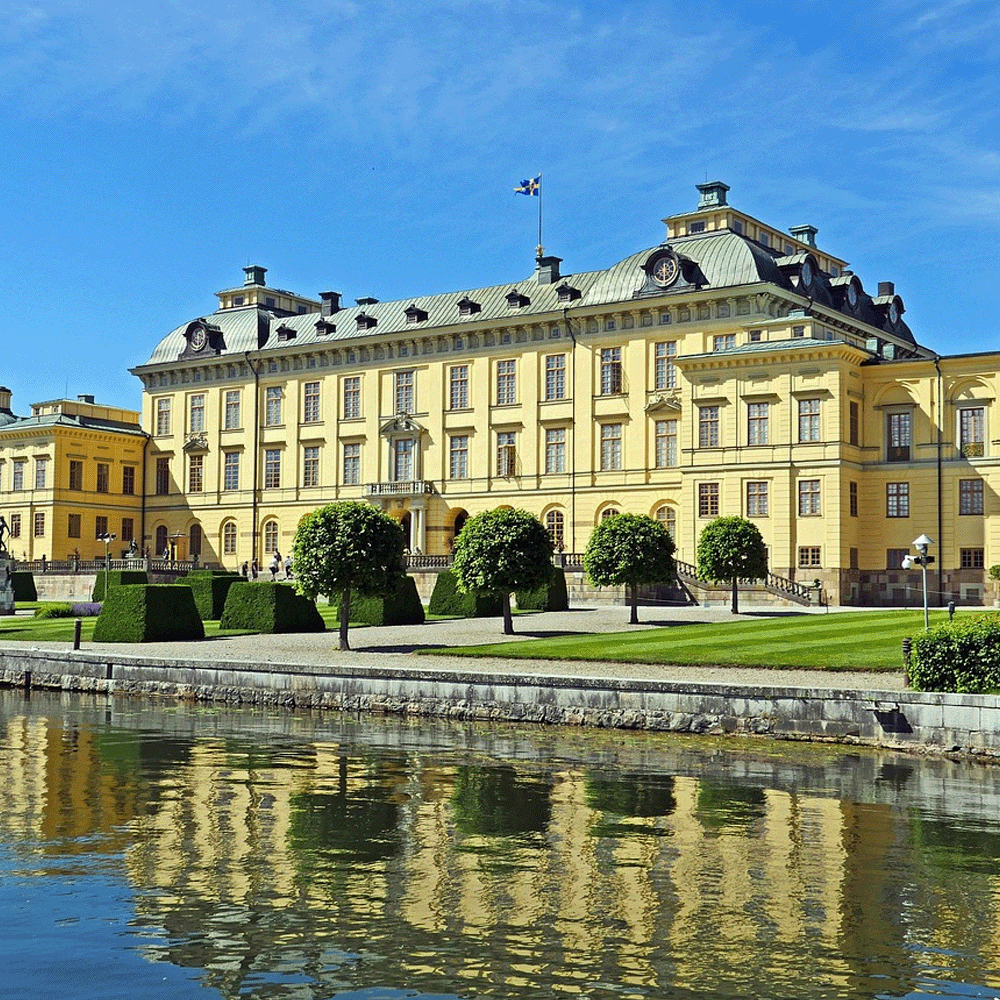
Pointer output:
x,y
4,531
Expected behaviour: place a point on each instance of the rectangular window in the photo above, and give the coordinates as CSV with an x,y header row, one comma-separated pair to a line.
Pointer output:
x,y
757,429
74,528
555,376
196,413
272,468
708,427
196,473
163,415
458,389
664,369
855,422
724,342
611,371
506,453
555,449
897,499
972,558
310,465
128,480
162,476
231,470
41,473
352,464
611,447
972,431
809,498
506,383
708,499
898,437
232,409
894,558
809,429
75,475
272,405
310,403
809,557
853,498
103,477
402,460
15,525
18,481
404,392
458,456
39,527
666,443
352,397
757,499
128,529
100,525
970,496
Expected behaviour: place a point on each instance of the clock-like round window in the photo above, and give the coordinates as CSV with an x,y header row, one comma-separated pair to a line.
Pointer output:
x,y
665,271
893,313
807,274
198,338
852,294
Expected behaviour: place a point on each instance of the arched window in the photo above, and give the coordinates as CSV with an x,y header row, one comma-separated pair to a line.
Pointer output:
x,y
229,538
162,545
270,536
554,523
194,541
609,512
667,516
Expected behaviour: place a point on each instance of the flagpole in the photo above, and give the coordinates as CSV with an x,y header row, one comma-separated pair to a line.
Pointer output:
x,y
540,251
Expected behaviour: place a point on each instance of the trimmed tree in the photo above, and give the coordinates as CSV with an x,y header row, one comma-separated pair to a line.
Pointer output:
x,y
731,550
629,550
347,546
501,551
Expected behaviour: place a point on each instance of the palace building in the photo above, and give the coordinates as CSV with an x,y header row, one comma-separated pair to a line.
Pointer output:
x,y
733,368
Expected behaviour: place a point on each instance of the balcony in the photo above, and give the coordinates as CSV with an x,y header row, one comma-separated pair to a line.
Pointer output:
x,y
406,488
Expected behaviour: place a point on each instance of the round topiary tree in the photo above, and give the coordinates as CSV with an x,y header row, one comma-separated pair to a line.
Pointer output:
x,y
501,551
347,546
731,550
629,550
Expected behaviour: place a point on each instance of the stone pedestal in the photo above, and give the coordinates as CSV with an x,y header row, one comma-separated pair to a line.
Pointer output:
x,y
6,586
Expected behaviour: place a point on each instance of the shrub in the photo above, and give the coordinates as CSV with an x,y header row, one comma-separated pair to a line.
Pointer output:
x,y
961,656
148,613
117,578
995,572
54,611
401,607
550,597
23,582
210,589
447,599
269,607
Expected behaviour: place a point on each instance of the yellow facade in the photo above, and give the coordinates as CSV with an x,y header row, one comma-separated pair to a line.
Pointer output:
x,y
69,473
733,369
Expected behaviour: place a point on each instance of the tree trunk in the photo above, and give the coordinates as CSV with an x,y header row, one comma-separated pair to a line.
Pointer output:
x,y
736,599
345,617
508,618
633,599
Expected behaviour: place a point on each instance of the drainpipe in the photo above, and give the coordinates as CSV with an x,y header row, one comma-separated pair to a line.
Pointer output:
x,y
572,420
145,486
256,449
940,516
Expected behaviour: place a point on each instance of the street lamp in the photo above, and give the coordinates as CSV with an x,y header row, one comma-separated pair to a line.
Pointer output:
x,y
921,544
107,538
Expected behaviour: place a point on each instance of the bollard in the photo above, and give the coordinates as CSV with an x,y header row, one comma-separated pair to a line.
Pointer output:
x,y
77,629
907,649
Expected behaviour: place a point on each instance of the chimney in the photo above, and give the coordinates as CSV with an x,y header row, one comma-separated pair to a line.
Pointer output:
x,y
547,270
804,234
254,275
331,303
85,398
713,194
886,288
5,395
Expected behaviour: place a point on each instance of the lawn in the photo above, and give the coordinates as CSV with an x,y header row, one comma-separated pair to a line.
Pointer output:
x,y
869,640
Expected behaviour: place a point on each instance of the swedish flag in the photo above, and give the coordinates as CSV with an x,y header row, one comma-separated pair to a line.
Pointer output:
x,y
531,186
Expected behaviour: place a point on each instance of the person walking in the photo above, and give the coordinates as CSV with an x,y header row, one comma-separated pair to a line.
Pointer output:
x,y
254,570
288,567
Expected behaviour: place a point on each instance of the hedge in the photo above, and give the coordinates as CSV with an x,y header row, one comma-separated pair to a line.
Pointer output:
x,y
962,656
269,607
210,588
148,613
447,599
117,578
401,607
551,597
23,582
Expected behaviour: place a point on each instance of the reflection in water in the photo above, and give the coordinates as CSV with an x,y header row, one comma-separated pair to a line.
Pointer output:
x,y
295,856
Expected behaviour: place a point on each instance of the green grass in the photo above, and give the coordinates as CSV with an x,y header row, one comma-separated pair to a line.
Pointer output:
x,y
869,640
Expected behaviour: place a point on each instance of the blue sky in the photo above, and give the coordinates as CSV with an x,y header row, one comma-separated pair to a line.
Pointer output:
x,y
152,150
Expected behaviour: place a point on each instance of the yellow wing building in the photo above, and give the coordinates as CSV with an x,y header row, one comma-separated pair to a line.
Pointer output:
x,y
734,368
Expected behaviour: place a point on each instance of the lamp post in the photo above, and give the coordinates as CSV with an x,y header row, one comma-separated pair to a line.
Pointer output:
x,y
921,544
107,538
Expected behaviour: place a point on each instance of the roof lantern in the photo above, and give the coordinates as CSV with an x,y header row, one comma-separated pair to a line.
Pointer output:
x,y
804,234
713,194
254,275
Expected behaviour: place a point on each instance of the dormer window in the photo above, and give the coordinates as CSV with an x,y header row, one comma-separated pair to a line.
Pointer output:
x,y
466,307
323,327
515,300
415,315
567,293
286,333
366,322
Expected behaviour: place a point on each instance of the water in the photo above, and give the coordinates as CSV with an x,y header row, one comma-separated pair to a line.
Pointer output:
x,y
150,851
